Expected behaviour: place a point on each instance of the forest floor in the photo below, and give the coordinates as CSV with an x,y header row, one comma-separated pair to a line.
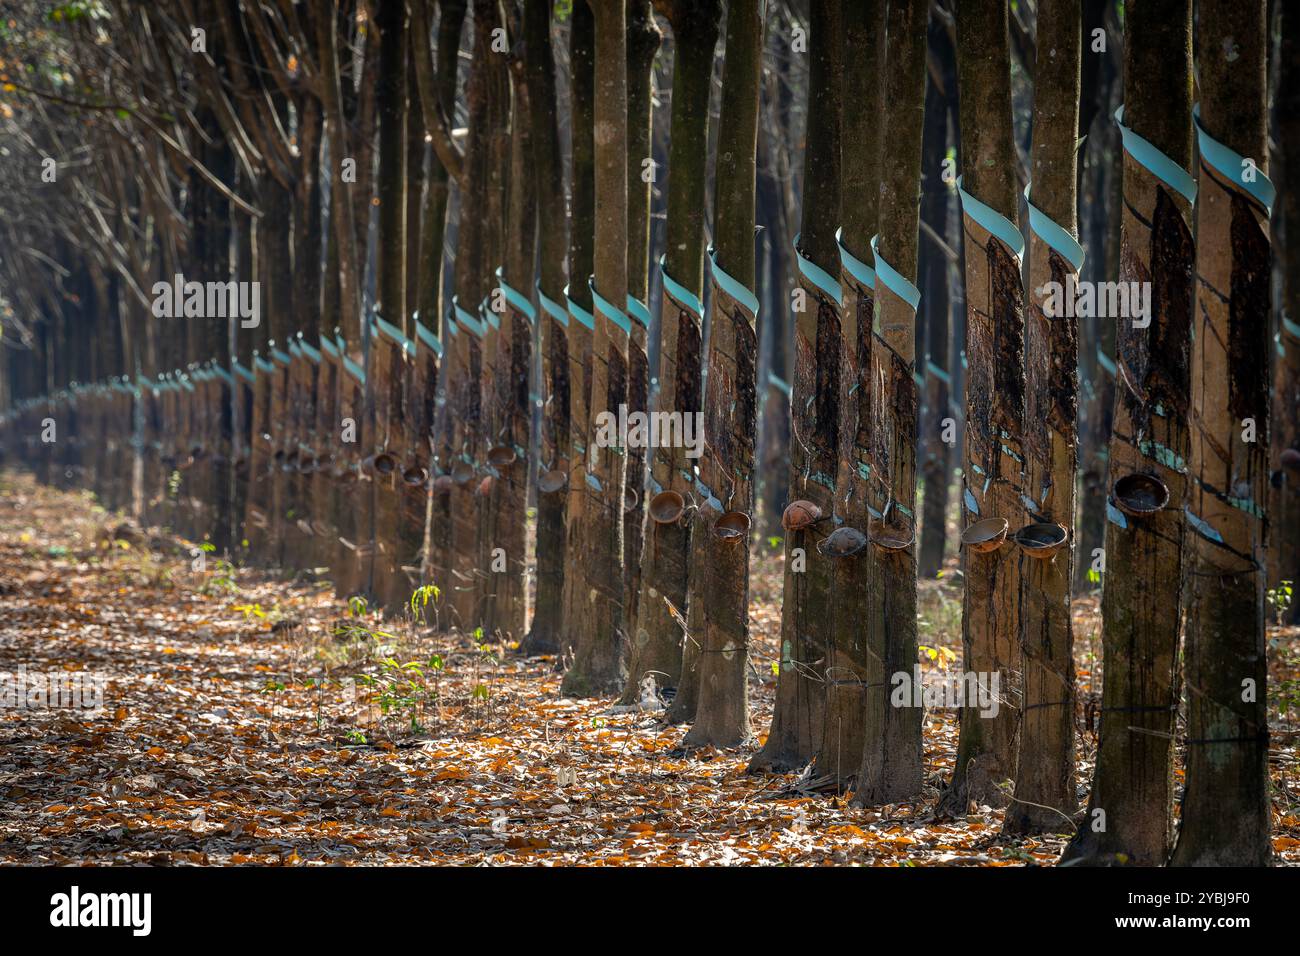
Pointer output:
x,y
247,719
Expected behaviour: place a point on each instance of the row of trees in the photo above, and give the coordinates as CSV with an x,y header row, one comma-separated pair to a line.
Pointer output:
x,y
337,153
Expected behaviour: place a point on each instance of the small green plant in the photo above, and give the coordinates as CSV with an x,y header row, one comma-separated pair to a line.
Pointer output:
x,y
1279,599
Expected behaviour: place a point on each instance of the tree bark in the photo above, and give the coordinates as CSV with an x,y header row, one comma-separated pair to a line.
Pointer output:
x,y
719,574
1225,810
807,611
1044,799
1128,816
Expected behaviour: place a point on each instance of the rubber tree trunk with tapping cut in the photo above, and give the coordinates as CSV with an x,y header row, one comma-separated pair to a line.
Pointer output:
x,y
582,217
511,441
891,749
936,302
1044,798
807,612
643,38
992,472
1284,530
657,644
1129,808
719,574
390,190
848,694
598,665
1225,810
548,175
437,82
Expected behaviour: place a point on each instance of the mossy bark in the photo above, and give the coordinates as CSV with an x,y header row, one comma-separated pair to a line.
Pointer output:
x,y
656,645
1225,811
807,613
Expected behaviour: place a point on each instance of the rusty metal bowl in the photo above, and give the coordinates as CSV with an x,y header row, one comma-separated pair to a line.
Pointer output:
x,y
986,535
891,536
667,507
462,472
800,514
415,475
1140,495
843,542
630,500
485,486
1042,539
732,526
1290,458
443,484
501,456
552,480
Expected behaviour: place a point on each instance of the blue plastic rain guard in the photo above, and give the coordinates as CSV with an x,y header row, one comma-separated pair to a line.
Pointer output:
x,y
279,356
583,317
608,309
860,271
327,345
516,298
638,310
1054,235
310,351
428,338
553,308
679,292
894,280
1232,165
823,280
731,285
355,370
1156,162
244,373
467,320
992,221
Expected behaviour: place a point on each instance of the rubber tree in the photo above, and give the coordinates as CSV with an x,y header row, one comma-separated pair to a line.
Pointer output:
x,y
657,647
1044,798
1129,808
582,217
548,175
719,574
643,39
992,463
807,611
936,266
891,748
1284,522
598,666
848,691
1225,810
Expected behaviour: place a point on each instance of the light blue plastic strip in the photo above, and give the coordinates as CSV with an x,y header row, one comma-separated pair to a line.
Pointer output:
x,y
343,346
1232,165
452,329
467,319
993,222
328,345
1290,325
262,365
279,356
310,351
428,338
583,317
935,371
608,309
390,331
682,295
489,314
553,308
517,298
1156,162
294,349
894,280
638,310
860,271
221,373
1202,527
780,384
1054,235
244,373
731,285
1106,362
823,280
355,370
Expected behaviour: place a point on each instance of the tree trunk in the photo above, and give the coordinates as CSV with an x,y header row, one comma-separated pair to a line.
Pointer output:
x,y
548,172
992,467
849,694
598,666
1225,810
1045,799
719,574
807,610
1284,529
1128,816
657,640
